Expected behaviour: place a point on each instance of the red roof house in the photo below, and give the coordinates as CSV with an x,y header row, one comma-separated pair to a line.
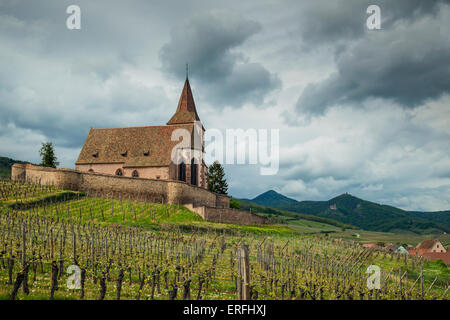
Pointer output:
x,y
430,246
431,256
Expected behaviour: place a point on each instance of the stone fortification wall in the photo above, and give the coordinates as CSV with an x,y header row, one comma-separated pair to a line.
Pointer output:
x,y
167,191
227,215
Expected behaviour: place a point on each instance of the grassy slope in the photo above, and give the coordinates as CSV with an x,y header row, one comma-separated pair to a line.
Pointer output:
x,y
308,225
294,218
400,238
167,215
67,205
154,215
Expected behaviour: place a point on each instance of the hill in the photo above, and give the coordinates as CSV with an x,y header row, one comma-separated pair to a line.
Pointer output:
x,y
367,215
273,199
5,166
283,216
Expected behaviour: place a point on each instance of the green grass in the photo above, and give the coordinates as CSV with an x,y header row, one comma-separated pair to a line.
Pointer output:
x,y
67,205
400,238
310,227
110,211
287,217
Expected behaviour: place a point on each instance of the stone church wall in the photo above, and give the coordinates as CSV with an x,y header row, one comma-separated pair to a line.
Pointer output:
x,y
107,168
167,191
222,201
227,215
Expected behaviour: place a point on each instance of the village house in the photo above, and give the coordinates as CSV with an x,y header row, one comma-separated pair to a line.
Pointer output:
x,y
431,256
427,246
402,250
412,250
147,152
391,248
431,250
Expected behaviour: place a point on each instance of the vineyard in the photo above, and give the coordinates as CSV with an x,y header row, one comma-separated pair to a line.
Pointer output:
x,y
57,244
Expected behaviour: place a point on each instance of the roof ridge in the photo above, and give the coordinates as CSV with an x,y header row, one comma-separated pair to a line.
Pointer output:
x,y
162,125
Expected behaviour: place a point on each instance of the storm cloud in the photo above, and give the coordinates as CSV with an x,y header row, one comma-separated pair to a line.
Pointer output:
x,y
406,62
330,23
209,42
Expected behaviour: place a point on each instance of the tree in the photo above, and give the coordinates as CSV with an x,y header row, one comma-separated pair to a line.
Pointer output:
x,y
47,153
234,204
216,179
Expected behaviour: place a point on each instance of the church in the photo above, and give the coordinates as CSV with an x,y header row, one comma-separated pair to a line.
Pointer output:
x,y
148,152
163,164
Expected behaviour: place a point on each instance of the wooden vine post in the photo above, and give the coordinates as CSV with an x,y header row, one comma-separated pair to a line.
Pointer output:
x,y
421,283
243,270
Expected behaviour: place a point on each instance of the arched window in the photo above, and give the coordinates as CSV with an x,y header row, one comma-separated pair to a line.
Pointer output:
x,y
193,172
90,170
135,174
119,172
182,172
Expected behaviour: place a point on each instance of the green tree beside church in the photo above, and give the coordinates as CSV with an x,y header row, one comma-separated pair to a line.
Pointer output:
x,y
47,153
216,179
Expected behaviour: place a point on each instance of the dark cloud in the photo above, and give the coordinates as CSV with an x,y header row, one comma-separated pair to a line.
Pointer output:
x,y
57,83
66,121
407,64
208,43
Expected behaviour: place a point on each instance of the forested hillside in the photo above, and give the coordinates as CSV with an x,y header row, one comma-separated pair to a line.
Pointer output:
x,y
5,166
358,212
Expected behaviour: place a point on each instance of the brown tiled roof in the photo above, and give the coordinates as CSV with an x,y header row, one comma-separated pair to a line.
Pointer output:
x,y
110,145
444,256
186,111
426,244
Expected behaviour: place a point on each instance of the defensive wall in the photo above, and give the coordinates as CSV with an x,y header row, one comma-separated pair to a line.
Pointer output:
x,y
211,206
227,215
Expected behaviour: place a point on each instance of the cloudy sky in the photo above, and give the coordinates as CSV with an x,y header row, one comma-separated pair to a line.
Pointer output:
x,y
359,111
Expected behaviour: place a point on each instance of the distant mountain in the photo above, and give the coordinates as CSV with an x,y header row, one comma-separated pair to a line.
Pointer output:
x,y
274,199
283,216
358,212
5,166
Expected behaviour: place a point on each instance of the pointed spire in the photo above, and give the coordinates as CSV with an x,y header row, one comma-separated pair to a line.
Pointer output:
x,y
186,111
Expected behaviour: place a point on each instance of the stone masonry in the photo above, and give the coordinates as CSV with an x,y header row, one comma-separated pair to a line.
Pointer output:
x,y
210,206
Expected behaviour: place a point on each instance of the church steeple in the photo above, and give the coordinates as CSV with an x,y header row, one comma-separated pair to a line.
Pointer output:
x,y
186,111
